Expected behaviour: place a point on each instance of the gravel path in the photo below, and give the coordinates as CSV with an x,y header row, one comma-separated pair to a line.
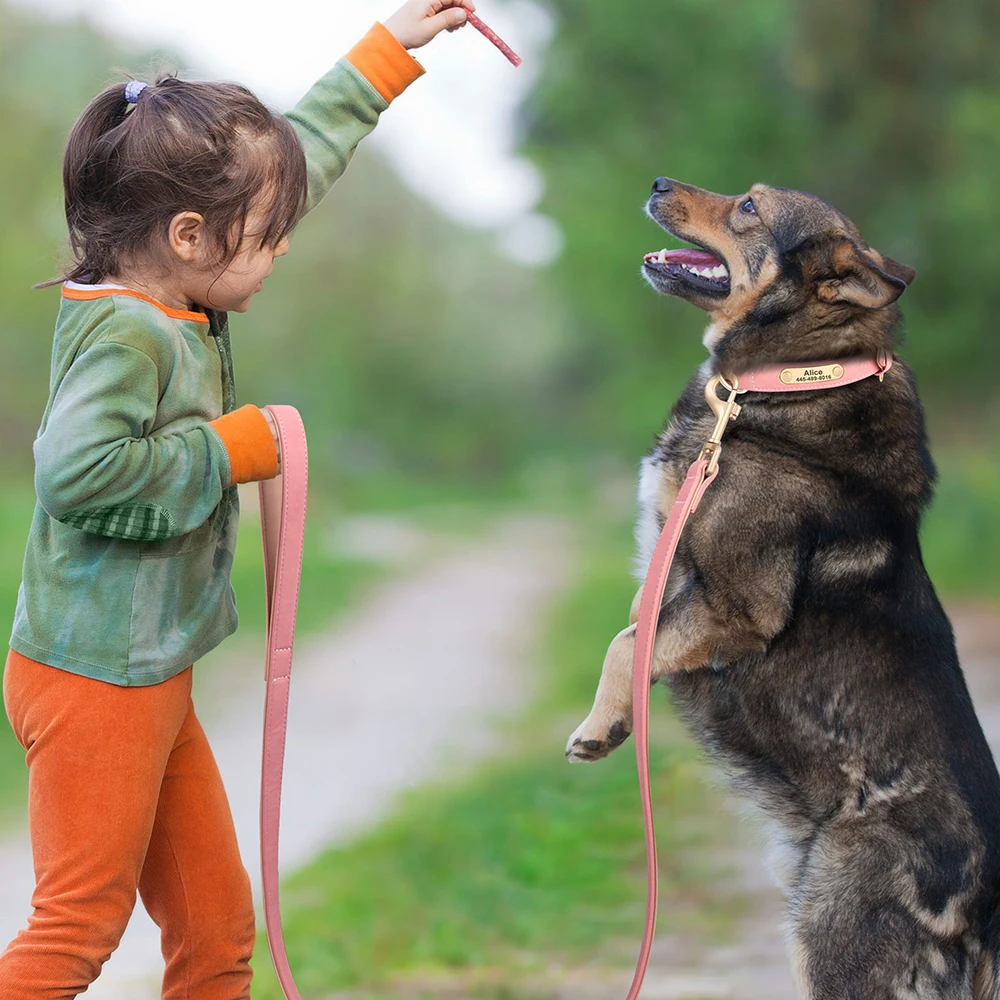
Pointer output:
x,y
411,686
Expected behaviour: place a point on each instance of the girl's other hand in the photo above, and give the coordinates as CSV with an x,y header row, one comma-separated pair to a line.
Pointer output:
x,y
418,21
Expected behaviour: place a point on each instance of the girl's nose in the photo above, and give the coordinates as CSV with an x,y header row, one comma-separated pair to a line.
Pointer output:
x,y
282,248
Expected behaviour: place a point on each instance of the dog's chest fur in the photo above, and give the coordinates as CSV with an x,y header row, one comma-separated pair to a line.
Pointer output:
x,y
661,475
657,492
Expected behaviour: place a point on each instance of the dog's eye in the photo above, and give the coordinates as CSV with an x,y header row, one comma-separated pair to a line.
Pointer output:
x,y
747,207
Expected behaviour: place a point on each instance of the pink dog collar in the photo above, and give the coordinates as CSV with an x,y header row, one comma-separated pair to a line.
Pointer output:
x,y
815,375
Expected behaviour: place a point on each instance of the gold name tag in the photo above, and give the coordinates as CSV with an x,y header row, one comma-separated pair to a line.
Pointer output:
x,y
827,373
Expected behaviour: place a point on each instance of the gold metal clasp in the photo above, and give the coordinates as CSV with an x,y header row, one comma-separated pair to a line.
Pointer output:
x,y
724,410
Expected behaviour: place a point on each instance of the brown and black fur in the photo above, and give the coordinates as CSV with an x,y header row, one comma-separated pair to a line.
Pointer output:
x,y
800,635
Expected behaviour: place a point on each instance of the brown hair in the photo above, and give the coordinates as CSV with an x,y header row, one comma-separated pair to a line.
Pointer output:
x,y
211,148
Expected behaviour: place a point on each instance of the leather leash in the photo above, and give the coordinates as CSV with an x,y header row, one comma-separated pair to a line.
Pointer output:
x,y
283,517
282,523
768,378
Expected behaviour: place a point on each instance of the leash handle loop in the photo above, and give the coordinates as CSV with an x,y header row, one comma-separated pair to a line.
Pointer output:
x,y
282,521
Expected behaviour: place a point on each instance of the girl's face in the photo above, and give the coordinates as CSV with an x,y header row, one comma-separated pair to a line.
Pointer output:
x,y
242,279
193,277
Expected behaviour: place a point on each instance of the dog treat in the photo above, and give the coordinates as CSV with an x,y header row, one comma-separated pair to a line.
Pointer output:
x,y
494,38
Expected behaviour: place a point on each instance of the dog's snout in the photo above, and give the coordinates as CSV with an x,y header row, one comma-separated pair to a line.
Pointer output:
x,y
662,185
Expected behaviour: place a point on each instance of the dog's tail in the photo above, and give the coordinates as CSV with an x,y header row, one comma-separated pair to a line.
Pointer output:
x,y
986,984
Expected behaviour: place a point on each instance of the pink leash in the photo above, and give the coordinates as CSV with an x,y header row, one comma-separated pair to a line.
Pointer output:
x,y
283,518
282,523
770,378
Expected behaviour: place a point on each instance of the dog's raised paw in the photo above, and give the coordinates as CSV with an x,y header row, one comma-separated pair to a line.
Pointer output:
x,y
592,742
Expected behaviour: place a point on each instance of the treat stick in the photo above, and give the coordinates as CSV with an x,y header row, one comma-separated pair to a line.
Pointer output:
x,y
494,38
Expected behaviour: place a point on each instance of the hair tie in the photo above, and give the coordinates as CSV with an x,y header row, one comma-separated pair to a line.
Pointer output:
x,y
133,89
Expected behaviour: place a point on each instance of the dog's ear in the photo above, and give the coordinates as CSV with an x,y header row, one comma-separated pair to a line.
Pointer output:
x,y
901,272
864,278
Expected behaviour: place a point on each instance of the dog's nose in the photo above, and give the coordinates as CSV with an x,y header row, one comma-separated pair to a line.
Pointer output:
x,y
662,185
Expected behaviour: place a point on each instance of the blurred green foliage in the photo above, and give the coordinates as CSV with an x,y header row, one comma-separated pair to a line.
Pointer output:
x,y
411,348
427,366
419,356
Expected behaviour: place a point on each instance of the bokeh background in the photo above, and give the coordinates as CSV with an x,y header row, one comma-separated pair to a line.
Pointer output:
x,y
463,326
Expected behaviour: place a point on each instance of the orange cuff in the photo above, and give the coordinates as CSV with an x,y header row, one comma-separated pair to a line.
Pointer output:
x,y
247,436
384,63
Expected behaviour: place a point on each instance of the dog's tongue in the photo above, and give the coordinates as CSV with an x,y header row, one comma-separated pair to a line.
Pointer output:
x,y
690,256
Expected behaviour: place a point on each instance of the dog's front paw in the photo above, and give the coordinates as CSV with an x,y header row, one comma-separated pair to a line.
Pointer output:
x,y
592,741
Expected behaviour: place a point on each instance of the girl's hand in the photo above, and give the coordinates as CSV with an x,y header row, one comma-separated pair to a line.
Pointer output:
x,y
418,21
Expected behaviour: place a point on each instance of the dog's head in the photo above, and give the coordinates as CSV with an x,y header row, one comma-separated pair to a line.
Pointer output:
x,y
782,275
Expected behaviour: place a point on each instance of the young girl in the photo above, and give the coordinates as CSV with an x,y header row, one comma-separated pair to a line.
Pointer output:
x,y
179,197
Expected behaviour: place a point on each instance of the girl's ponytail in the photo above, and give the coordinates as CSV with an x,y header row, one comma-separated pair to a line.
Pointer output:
x,y
85,153
85,165
85,168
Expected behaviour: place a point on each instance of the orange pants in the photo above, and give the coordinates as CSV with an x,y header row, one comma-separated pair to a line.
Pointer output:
x,y
124,795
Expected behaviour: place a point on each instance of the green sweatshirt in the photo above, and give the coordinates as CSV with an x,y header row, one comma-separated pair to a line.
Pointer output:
x,y
126,574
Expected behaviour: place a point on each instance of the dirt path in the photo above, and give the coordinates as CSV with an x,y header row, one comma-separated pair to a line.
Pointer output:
x,y
406,689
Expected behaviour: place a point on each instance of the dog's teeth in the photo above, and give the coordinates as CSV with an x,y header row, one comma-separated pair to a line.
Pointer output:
x,y
709,273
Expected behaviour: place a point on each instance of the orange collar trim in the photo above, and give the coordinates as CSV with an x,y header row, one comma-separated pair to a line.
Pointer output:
x,y
98,292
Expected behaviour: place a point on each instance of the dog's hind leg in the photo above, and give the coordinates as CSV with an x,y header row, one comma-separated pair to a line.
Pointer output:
x,y
873,961
851,940
986,985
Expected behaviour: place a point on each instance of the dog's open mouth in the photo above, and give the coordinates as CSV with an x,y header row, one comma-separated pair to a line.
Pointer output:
x,y
697,268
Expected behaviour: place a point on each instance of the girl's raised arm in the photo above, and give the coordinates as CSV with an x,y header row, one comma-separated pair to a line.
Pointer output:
x,y
344,105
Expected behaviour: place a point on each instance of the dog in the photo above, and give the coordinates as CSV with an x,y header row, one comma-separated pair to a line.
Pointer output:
x,y
799,634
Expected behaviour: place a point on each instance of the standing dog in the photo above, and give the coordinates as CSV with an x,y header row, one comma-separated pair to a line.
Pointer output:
x,y
799,633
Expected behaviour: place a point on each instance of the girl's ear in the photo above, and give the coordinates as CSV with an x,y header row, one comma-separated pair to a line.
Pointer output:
x,y
186,236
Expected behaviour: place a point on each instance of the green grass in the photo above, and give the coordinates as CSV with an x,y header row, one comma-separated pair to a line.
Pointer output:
x,y
493,875
960,537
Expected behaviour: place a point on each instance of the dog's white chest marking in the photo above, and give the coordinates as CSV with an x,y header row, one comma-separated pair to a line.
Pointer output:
x,y
656,493
647,526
